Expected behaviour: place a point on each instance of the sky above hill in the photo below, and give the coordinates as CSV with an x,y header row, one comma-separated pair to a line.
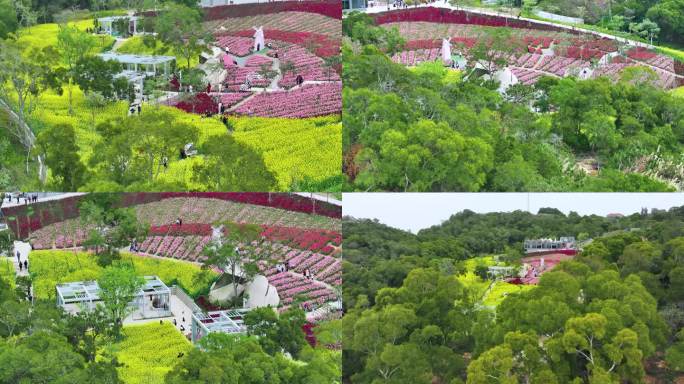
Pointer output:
x,y
415,211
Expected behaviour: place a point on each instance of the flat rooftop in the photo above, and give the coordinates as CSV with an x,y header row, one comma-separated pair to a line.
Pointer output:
x,y
137,59
80,291
228,321
115,18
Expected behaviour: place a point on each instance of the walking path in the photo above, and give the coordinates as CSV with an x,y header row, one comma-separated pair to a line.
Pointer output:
x,y
41,198
327,198
24,250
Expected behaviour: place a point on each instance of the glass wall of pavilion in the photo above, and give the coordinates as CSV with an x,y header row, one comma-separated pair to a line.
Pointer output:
x,y
227,321
152,301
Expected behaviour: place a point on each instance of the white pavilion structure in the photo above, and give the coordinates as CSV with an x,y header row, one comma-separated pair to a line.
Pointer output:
x,y
142,64
227,321
107,24
152,301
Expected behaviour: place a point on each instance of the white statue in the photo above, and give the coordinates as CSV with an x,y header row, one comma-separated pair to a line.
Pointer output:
x,y
446,51
258,38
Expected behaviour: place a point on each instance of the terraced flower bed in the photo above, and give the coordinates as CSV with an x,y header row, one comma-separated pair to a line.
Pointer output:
x,y
214,210
283,21
329,8
312,240
306,64
239,46
308,101
322,44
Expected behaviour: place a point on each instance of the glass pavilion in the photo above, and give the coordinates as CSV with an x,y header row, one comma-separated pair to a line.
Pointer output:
x,y
228,321
151,302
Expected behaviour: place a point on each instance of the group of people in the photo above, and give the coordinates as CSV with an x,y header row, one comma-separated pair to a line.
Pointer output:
x,y
133,108
22,265
283,267
27,198
134,246
308,274
182,326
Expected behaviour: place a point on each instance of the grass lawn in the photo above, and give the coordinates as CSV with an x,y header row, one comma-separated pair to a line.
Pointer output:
x,y
43,35
148,352
52,266
7,270
500,290
679,92
294,148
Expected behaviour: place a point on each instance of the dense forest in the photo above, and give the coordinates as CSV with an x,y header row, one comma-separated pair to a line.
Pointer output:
x,y
661,19
614,314
429,128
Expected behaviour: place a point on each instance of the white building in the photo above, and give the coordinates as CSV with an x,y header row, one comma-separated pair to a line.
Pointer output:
x,y
107,24
152,301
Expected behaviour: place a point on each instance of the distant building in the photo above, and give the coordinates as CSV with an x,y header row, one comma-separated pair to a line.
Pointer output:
x,y
108,25
566,245
615,215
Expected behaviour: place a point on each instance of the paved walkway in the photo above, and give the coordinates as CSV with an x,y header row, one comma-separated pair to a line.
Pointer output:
x,y
321,197
41,197
24,250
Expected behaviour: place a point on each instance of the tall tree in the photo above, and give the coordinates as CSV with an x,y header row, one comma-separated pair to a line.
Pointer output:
x,y
237,252
73,45
181,27
58,145
118,287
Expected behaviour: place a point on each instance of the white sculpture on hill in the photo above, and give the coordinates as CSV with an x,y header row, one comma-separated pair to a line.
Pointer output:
x,y
258,38
446,51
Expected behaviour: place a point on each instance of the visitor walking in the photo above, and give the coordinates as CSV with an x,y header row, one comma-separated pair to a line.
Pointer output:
x,y
26,265
20,266
18,257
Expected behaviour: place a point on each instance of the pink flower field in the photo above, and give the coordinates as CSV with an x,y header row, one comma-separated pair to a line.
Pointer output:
x,y
308,101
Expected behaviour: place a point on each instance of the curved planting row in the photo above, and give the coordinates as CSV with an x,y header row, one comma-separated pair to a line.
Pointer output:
x,y
330,8
259,208
283,21
187,248
440,15
51,218
307,101
323,45
290,286
312,240
306,64
239,46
